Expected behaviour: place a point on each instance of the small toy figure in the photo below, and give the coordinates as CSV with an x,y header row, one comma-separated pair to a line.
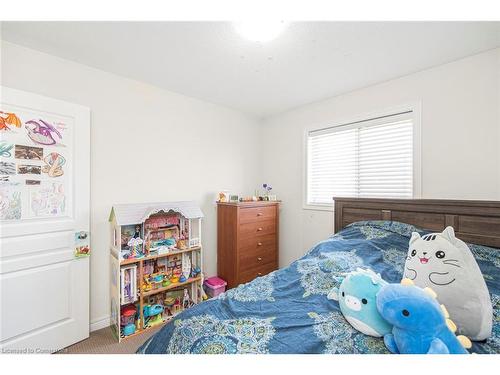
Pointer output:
x,y
169,305
223,196
146,287
175,268
186,300
135,245
177,305
137,233
195,271
174,279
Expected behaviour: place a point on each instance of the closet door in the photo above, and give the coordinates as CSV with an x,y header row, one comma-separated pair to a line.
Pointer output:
x,y
44,217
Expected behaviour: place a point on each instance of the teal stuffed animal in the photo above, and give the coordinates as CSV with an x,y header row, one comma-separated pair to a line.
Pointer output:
x,y
420,324
357,300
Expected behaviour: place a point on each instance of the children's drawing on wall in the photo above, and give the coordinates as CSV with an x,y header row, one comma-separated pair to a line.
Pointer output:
x,y
35,177
9,121
49,200
29,169
28,152
43,132
7,168
33,182
54,163
10,201
6,149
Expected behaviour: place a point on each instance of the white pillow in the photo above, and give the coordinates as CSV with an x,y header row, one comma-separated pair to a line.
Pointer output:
x,y
445,264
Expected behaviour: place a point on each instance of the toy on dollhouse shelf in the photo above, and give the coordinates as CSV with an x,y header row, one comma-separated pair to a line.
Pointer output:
x,y
186,300
135,248
153,315
128,284
186,268
128,320
156,263
169,305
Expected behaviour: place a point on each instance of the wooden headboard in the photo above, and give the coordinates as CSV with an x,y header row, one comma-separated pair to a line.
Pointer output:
x,y
474,221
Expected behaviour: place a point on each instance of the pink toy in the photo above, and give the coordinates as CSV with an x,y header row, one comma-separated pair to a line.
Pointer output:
x,y
214,286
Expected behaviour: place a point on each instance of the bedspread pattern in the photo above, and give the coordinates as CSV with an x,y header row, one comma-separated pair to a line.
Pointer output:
x,y
287,311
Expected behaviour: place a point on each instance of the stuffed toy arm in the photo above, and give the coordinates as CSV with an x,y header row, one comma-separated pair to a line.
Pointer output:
x,y
390,343
438,347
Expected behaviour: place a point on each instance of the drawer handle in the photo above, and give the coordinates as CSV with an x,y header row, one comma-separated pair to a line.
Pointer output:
x,y
259,259
260,274
259,243
259,213
259,229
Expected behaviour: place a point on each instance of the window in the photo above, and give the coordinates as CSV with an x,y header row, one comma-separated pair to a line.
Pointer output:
x,y
369,158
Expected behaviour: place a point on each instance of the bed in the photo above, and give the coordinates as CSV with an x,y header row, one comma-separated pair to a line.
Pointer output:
x,y
287,311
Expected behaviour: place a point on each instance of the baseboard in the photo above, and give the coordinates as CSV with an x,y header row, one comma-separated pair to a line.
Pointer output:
x,y
100,323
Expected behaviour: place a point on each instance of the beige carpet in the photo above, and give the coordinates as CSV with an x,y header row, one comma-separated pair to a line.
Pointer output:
x,y
103,342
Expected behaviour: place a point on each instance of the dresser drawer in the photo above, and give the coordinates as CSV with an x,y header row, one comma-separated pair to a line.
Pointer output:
x,y
251,274
259,228
250,215
256,259
255,243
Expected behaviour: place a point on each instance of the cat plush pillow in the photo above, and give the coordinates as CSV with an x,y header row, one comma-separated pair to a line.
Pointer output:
x,y
445,264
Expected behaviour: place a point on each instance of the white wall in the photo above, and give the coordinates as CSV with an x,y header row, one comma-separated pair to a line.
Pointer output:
x,y
460,140
147,145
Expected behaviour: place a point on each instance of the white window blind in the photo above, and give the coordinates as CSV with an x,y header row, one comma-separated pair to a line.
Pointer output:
x,y
372,158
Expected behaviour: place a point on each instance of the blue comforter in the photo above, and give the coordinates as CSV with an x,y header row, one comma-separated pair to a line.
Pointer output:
x,y
287,311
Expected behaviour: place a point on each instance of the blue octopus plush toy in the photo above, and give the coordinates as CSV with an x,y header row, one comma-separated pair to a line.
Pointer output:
x,y
357,301
420,324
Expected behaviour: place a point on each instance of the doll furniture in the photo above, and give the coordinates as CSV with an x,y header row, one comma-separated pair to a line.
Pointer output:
x,y
156,264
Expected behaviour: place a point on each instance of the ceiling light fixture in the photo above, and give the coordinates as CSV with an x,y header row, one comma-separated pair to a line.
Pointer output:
x,y
260,31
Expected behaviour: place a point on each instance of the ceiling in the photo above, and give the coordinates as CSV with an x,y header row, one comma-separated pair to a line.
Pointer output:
x,y
308,62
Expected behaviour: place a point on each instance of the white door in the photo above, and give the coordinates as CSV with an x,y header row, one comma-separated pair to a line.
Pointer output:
x,y
44,200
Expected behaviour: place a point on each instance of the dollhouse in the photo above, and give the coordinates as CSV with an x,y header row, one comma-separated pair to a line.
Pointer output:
x,y
156,264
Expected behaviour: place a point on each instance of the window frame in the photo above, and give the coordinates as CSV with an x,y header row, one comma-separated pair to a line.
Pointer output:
x,y
414,107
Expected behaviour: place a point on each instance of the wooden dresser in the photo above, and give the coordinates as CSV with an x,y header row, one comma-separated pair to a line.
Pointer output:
x,y
247,240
